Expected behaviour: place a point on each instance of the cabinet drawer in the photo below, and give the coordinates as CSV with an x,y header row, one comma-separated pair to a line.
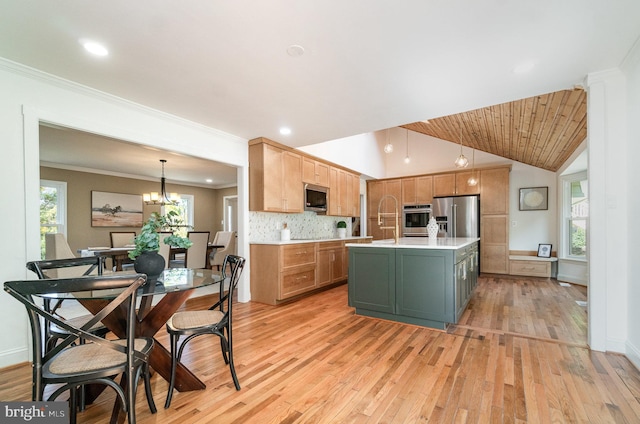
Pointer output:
x,y
298,254
298,281
530,268
328,245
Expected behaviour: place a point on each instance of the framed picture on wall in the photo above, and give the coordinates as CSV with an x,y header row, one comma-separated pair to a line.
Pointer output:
x,y
544,250
116,209
534,199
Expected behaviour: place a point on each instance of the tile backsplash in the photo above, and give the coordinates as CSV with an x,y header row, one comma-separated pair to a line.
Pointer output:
x,y
266,226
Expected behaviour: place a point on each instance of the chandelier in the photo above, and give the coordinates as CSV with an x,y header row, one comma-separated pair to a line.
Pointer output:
x,y
162,198
462,161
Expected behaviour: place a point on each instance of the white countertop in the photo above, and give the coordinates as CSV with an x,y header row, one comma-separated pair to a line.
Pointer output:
x,y
420,243
297,241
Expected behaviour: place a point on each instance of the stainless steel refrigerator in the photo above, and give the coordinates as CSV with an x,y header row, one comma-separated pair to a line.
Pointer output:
x,y
457,216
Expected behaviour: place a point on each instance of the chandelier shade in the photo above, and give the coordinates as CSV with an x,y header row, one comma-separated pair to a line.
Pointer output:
x,y
161,198
461,161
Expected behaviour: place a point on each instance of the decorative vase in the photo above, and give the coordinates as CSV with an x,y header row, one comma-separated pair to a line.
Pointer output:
x,y
432,228
342,232
150,263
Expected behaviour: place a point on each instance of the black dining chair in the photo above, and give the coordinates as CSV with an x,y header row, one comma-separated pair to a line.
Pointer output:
x,y
216,321
72,267
72,364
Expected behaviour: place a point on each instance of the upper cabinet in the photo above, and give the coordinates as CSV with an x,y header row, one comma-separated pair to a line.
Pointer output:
x,y
277,175
344,193
455,184
417,190
315,172
494,192
275,179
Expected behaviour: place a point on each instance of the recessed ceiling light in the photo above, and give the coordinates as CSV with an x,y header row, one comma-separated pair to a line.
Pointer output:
x,y
209,180
95,48
523,67
285,131
295,50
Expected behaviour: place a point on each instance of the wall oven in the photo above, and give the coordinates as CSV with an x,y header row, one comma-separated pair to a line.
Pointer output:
x,y
415,219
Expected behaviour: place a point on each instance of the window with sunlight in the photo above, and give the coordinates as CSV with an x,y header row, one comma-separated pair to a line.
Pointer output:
x,y
184,208
53,217
576,212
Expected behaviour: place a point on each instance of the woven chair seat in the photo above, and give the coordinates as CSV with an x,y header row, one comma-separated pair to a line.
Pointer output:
x,y
89,357
194,319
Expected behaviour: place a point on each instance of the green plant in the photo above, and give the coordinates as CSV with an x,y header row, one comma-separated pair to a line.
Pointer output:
x,y
341,224
149,239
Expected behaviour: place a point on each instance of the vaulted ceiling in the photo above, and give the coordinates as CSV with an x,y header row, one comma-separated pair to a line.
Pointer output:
x,y
541,131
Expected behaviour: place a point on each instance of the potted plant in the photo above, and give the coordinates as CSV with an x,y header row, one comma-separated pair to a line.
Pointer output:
x,y
147,243
342,229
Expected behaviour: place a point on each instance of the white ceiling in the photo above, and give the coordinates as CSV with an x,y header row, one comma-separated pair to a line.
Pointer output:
x,y
368,64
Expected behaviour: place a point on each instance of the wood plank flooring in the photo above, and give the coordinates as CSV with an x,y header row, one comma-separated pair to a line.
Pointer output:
x,y
515,358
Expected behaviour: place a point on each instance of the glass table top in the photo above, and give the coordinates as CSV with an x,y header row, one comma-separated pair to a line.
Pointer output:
x,y
171,280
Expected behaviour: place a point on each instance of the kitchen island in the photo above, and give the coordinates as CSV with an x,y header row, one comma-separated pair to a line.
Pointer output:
x,y
416,281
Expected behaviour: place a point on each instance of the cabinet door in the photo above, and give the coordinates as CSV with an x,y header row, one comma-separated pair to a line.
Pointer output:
x,y
444,185
322,174
494,244
292,195
323,267
273,179
494,191
375,191
308,171
334,192
355,195
409,191
424,190
372,279
393,188
462,185
424,284
345,209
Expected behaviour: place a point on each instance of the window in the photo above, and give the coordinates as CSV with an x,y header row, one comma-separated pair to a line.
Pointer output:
x,y
576,216
53,211
185,210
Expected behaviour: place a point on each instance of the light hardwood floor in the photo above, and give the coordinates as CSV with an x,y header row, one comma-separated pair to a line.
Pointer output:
x,y
519,355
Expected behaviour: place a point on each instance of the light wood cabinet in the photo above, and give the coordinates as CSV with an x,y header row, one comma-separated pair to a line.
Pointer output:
x,y
376,191
494,244
331,263
462,184
444,185
275,177
344,193
417,190
315,172
494,191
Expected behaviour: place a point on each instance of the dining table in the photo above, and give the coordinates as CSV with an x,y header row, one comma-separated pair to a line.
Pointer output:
x,y
120,255
174,286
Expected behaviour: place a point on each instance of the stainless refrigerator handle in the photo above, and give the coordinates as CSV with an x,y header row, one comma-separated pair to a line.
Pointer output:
x,y
454,220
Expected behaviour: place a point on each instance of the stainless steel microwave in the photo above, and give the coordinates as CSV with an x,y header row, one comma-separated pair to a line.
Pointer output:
x,y
315,199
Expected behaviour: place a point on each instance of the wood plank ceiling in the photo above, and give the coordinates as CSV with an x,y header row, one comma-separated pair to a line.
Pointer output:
x,y
541,131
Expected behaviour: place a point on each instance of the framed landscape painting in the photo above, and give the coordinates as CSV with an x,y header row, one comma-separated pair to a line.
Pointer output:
x,y
116,209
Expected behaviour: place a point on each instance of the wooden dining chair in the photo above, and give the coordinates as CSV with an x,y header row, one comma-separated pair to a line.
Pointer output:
x,y
216,320
82,357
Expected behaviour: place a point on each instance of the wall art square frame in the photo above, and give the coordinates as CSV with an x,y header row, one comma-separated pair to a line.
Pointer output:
x,y
544,250
116,209
534,199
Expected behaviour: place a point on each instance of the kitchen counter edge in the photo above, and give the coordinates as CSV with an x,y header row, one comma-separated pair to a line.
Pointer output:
x,y
420,243
298,241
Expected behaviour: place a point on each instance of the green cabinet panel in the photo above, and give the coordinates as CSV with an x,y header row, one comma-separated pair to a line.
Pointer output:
x,y
372,279
424,284
429,287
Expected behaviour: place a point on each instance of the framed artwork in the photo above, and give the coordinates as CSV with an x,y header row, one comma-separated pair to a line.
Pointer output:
x,y
544,250
534,199
116,209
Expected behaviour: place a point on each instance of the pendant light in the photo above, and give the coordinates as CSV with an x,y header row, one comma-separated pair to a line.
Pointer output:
x,y
461,162
406,158
388,148
473,181
162,198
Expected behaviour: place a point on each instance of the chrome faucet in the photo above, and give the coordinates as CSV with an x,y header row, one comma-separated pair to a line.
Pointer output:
x,y
396,226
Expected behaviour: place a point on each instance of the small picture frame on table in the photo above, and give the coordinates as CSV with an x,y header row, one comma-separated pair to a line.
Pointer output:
x,y
544,250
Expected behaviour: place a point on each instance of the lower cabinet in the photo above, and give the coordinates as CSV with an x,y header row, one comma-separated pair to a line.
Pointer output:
x,y
428,287
281,272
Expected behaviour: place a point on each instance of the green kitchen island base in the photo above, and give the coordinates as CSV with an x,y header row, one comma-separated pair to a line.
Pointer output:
x,y
422,284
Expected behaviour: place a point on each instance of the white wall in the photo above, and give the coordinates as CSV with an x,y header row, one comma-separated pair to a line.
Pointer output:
x,y
28,97
631,70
